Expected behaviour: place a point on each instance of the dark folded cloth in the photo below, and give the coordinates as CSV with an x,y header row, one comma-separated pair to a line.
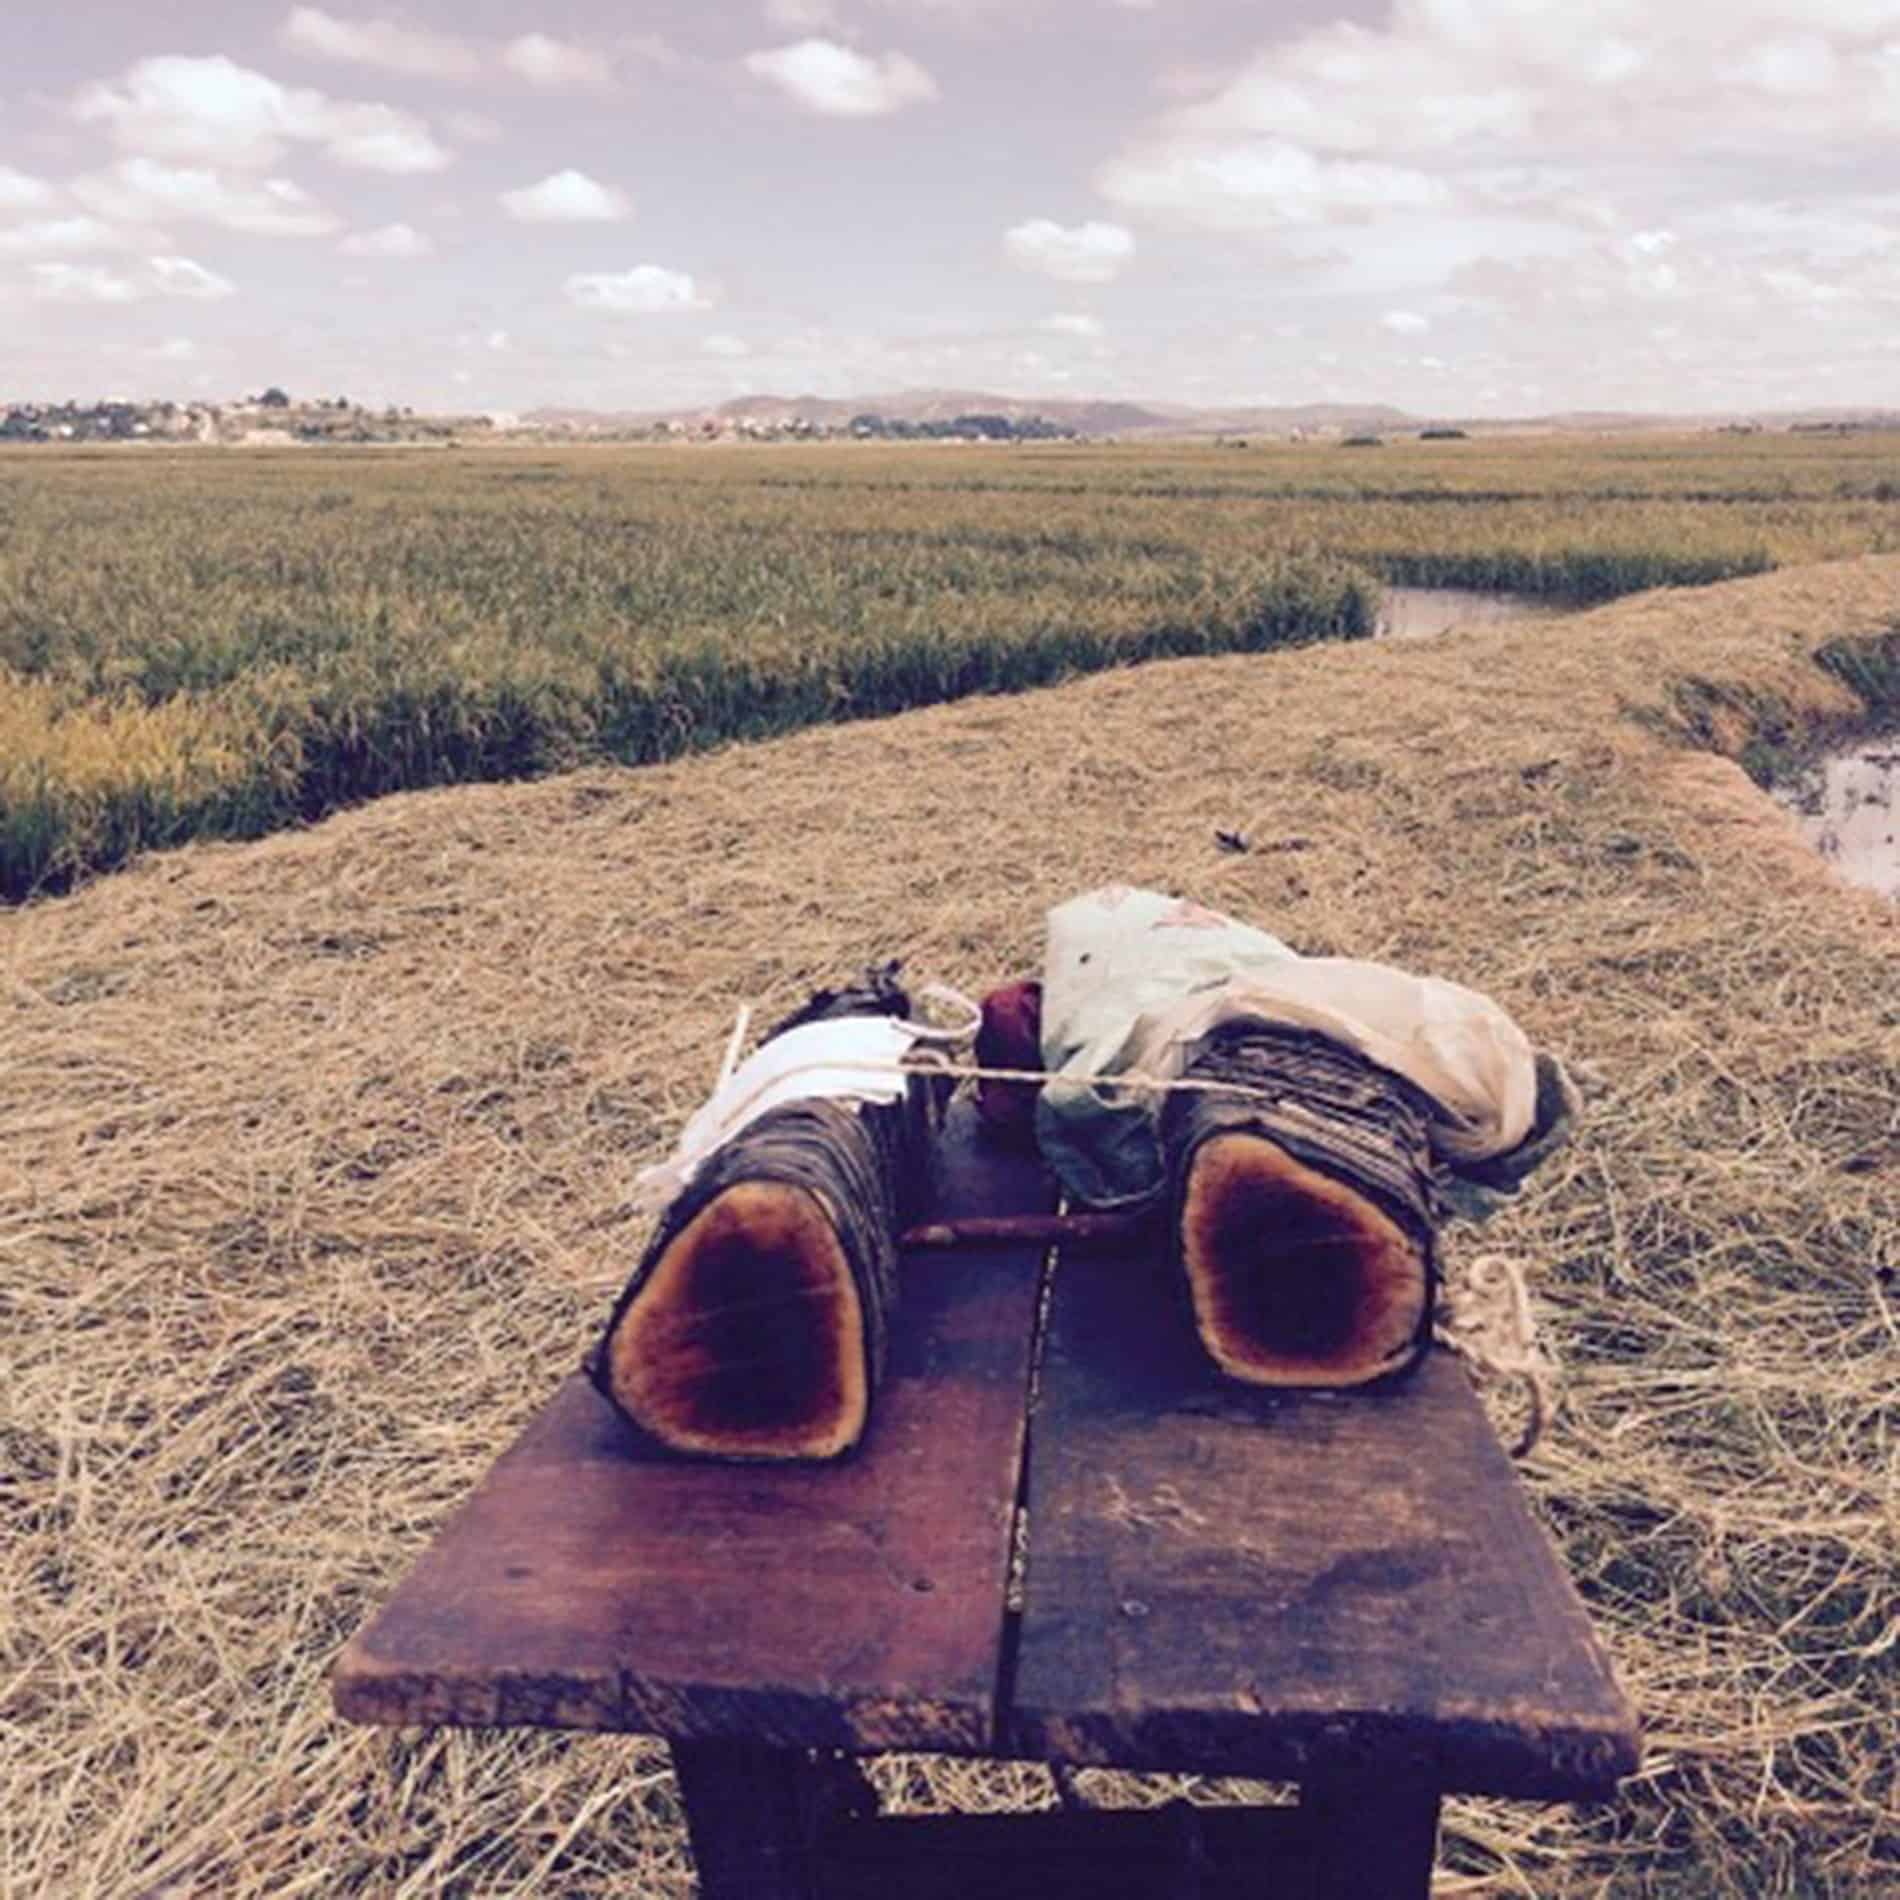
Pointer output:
x,y
1010,1037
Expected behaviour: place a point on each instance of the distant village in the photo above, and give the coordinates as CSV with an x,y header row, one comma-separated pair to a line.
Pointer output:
x,y
275,418
868,427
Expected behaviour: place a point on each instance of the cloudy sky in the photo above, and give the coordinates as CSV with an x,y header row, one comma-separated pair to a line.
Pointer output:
x,y
1462,206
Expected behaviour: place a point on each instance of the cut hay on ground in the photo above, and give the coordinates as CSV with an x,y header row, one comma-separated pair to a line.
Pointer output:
x,y
313,1155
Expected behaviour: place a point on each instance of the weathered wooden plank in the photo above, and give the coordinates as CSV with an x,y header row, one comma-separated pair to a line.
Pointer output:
x,y
1295,1585
594,1582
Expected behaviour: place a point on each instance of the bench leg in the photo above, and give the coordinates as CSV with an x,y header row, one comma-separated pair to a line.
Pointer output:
x,y
1368,1840
754,1815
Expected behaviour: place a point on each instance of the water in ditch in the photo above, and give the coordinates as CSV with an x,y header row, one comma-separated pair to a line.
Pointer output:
x,y
1848,807
1416,613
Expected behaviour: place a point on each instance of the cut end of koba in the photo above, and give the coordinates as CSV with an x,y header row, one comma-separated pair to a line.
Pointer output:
x,y
1295,1278
747,1338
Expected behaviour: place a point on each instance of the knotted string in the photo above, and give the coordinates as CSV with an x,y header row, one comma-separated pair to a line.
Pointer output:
x,y
1484,1308
1484,1315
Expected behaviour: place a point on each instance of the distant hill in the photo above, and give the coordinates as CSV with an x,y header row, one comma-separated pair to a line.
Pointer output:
x,y
564,416
1104,417
1091,417
1306,415
945,405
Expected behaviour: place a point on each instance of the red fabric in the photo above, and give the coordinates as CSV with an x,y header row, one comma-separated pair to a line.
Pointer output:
x,y
1010,1038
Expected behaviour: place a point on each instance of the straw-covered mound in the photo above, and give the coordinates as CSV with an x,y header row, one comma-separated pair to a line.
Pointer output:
x,y
313,1156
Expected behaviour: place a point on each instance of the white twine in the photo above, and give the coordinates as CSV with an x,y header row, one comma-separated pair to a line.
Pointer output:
x,y
1484,1310
929,1062
740,1024
951,999
1484,1315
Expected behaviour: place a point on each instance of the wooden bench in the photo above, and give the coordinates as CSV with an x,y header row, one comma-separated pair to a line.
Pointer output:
x,y
1345,1592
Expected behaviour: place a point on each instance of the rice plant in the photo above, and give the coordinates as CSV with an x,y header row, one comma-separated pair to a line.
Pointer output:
x,y
198,644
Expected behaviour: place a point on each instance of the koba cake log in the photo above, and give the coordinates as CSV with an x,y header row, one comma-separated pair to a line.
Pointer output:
x,y
1303,1209
755,1324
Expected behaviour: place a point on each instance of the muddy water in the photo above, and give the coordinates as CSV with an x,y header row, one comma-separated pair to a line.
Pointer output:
x,y
1848,807
1414,613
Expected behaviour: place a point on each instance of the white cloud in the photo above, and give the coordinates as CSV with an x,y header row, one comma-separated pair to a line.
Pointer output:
x,y
567,197
173,349
721,344
180,277
217,112
142,189
19,192
1343,88
826,77
398,144
1090,253
193,108
1455,107
387,240
1069,323
556,65
1670,318
1834,226
1800,287
64,237
1621,279
551,64
380,43
1541,192
645,290
81,283
157,277
498,340
1264,185
1406,322
1791,65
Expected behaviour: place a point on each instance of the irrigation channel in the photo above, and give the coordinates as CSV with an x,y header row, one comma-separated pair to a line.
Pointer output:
x,y
1847,804
1416,613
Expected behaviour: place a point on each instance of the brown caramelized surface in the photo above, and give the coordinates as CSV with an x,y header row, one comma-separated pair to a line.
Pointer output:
x,y
747,1340
1295,1278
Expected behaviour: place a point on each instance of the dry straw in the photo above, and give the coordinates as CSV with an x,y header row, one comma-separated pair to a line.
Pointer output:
x,y
310,1152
